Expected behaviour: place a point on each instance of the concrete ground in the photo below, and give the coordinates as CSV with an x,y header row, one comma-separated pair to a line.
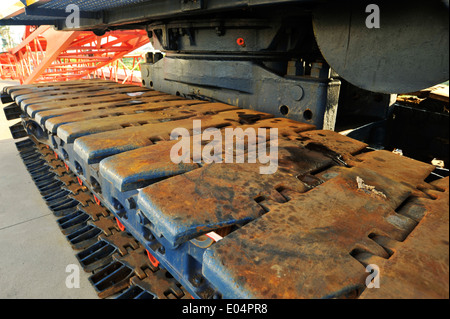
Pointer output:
x,y
34,253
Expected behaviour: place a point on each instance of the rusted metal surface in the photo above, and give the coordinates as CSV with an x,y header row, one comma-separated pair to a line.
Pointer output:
x,y
93,148
222,194
102,123
22,95
331,143
33,97
108,95
71,98
419,265
54,118
400,168
147,98
134,169
310,246
49,87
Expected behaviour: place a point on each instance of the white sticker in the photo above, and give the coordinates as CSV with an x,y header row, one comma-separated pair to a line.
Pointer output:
x,y
214,236
135,93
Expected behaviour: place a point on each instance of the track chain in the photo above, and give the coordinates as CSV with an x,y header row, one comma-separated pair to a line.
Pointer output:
x,y
309,230
118,262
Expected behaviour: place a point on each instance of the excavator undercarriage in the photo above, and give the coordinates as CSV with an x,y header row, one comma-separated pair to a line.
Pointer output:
x,y
157,199
99,152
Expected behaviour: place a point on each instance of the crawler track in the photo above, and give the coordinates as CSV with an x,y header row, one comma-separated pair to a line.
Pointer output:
x,y
309,230
118,263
